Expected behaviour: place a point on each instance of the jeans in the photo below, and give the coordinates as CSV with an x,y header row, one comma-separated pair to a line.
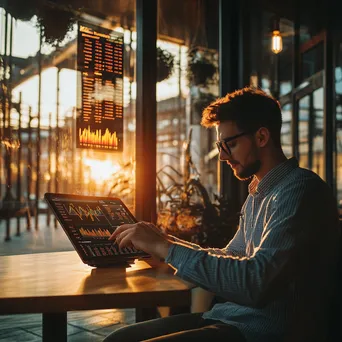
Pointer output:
x,y
180,328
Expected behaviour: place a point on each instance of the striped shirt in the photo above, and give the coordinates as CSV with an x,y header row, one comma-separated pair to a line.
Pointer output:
x,y
277,273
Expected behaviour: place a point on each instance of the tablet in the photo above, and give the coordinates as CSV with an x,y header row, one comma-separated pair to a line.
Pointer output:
x,y
89,221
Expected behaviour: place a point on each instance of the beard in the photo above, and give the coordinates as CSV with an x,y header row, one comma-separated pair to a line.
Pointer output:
x,y
248,170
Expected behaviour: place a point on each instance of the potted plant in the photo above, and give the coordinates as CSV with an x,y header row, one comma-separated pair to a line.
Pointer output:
x,y
56,18
55,23
165,64
22,9
201,69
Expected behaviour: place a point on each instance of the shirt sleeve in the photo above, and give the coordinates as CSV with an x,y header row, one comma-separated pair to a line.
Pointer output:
x,y
291,230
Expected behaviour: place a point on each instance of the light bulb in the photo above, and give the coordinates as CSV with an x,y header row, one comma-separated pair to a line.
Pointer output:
x,y
277,42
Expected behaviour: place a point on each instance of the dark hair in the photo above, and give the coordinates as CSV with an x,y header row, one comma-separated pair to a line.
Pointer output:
x,y
250,108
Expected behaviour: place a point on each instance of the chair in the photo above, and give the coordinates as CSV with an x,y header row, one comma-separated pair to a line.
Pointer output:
x,y
335,323
12,209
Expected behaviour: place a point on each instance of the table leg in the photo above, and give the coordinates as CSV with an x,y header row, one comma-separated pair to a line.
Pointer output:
x,y
144,314
18,226
55,327
28,219
8,228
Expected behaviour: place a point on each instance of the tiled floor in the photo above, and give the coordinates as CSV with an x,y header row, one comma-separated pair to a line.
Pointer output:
x,y
83,326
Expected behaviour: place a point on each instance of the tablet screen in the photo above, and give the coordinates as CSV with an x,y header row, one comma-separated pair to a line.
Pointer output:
x,y
89,221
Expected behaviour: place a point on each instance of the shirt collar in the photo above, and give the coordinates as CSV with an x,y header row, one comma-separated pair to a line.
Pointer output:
x,y
272,178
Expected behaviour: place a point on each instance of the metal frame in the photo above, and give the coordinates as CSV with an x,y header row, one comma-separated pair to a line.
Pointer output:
x,y
146,110
323,79
229,36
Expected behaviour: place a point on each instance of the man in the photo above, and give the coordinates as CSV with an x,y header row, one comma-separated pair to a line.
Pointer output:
x,y
277,273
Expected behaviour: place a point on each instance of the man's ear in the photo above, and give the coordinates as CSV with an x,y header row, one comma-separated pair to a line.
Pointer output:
x,y
262,136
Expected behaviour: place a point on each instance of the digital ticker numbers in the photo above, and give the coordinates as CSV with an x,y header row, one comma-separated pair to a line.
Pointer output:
x,y
100,104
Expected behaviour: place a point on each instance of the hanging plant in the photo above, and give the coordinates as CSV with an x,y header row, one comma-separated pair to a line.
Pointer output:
x,y
22,9
165,64
200,68
55,23
55,17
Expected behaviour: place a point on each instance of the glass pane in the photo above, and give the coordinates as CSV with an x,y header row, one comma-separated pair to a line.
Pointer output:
x,y
53,163
317,134
186,153
338,89
312,61
339,153
286,134
303,132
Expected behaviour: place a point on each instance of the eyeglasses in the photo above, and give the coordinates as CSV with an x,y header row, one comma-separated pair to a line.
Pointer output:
x,y
223,144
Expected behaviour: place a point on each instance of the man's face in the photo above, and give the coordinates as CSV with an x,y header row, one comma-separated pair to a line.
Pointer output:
x,y
241,153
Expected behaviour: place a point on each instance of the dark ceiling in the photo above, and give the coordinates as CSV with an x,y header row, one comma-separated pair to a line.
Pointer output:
x,y
196,21
311,12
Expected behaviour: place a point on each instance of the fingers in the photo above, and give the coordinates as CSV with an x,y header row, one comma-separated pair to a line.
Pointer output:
x,y
119,230
126,241
147,225
120,236
125,238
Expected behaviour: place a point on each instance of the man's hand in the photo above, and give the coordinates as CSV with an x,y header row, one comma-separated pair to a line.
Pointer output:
x,y
144,236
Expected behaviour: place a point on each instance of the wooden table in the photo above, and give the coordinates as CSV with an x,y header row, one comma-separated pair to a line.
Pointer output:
x,y
54,283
